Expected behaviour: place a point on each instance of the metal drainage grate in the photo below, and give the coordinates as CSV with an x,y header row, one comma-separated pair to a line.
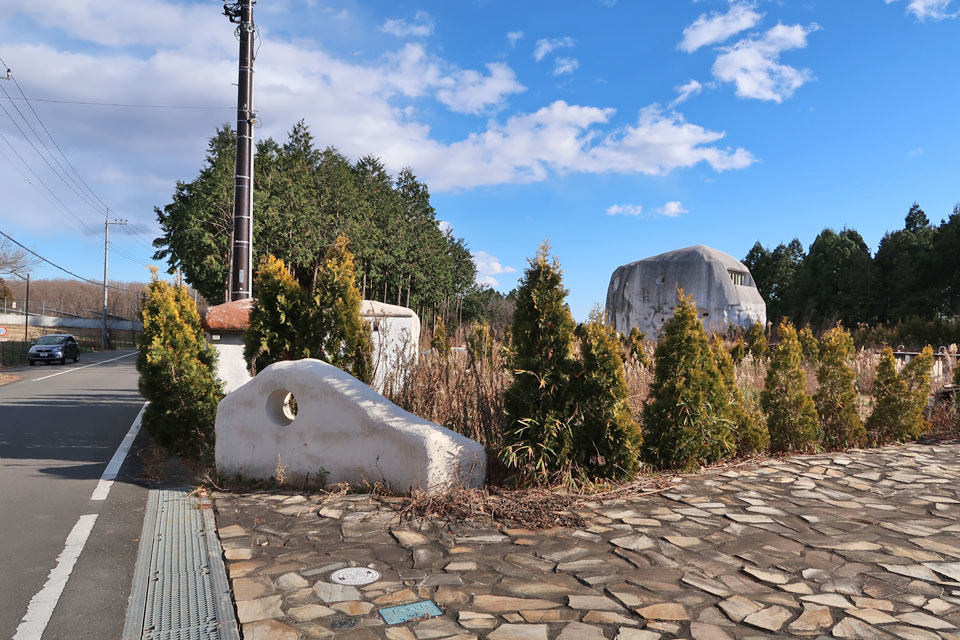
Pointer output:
x,y
175,595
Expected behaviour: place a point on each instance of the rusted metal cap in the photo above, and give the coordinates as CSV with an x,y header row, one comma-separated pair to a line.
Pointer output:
x,y
229,316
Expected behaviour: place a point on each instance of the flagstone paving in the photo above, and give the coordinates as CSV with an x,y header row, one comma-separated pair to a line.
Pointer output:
x,y
860,545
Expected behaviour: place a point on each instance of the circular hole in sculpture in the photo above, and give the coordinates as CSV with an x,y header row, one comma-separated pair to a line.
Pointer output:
x,y
282,407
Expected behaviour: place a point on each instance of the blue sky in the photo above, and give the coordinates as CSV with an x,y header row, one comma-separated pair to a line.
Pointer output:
x,y
618,129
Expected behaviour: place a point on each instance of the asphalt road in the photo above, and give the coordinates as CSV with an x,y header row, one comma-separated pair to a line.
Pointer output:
x,y
59,427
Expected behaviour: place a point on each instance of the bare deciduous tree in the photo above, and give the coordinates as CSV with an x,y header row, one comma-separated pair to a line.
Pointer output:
x,y
14,259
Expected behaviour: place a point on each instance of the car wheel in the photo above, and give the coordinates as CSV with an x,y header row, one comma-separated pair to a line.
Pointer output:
x,y
63,360
76,358
33,363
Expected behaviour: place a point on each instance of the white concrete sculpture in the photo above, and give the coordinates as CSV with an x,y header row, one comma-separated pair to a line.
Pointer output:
x,y
395,334
341,426
643,294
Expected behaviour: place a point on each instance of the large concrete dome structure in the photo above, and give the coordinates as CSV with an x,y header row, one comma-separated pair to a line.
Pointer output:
x,y
643,294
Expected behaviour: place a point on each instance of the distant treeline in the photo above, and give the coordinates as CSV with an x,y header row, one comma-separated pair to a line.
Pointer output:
x,y
60,296
304,199
914,277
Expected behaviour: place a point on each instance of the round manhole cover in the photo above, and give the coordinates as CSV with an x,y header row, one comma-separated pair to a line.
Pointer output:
x,y
355,576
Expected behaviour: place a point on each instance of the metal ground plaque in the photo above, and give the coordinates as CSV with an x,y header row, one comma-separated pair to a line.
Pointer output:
x,y
408,612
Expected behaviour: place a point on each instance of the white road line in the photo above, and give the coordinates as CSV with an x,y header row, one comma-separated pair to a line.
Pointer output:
x,y
113,467
54,375
42,605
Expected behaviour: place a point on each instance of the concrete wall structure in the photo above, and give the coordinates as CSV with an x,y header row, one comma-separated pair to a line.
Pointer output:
x,y
395,333
53,322
643,294
225,324
341,426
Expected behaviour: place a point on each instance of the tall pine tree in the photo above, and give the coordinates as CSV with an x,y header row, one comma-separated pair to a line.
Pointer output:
x,y
836,397
686,421
538,404
791,415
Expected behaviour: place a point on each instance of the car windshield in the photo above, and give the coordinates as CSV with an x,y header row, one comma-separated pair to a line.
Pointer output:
x,y
51,340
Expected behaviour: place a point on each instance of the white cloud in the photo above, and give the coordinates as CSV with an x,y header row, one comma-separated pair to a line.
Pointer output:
x,y
717,27
672,209
444,226
472,92
752,64
488,267
929,9
564,66
915,152
368,107
545,46
416,74
624,210
421,26
685,91
513,37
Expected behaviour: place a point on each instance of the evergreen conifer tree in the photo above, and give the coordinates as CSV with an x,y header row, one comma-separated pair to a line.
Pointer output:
x,y
809,345
757,342
739,351
289,322
334,317
606,436
439,342
176,367
899,399
635,347
685,421
791,414
480,344
538,407
887,421
836,397
751,430
275,317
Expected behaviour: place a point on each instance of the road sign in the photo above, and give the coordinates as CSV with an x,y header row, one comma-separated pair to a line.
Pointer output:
x,y
3,331
3,339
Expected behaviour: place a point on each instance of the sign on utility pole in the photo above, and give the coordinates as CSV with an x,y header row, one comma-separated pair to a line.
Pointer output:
x,y
106,255
241,13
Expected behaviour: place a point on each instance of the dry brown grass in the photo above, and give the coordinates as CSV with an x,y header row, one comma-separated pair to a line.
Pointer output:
x,y
462,395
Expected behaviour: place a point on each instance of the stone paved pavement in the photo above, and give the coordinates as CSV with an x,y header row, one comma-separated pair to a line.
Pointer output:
x,y
864,544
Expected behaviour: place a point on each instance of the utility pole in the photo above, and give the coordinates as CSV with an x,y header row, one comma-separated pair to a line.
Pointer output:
x,y
106,256
240,12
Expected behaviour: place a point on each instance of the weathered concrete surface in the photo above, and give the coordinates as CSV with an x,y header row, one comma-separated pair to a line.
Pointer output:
x,y
395,334
224,325
864,544
643,294
341,426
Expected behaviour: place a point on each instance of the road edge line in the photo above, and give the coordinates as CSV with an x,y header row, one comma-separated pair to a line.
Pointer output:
x,y
102,489
40,609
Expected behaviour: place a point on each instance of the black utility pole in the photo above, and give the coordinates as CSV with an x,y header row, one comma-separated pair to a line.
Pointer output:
x,y
241,12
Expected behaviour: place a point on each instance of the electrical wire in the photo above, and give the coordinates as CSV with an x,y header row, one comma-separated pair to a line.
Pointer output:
x,y
54,264
45,185
128,105
83,196
42,157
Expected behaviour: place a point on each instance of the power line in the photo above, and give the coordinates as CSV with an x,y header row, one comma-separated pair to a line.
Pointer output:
x,y
42,157
54,264
130,106
40,180
49,135
43,144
